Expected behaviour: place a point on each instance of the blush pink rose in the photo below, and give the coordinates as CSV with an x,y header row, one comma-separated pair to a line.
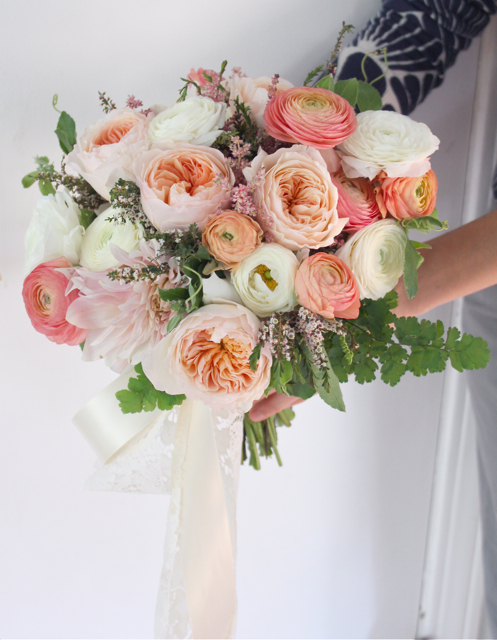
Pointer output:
x,y
408,197
231,236
356,201
181,186
253,92
44,294
105,151
325,285
207,358
312,116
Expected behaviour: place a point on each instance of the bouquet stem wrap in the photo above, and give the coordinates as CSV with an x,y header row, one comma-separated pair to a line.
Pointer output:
x,y
193,453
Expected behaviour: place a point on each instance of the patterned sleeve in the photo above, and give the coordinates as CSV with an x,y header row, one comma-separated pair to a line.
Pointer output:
x,y
423,39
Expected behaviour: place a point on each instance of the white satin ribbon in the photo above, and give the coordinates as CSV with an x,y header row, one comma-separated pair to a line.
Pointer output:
x,y
197,590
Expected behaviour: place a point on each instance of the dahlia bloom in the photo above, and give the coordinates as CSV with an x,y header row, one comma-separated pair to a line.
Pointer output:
x,y
124,321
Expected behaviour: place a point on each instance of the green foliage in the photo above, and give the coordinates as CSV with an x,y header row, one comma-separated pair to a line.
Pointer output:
x,y
169,295
326,83
44,167
418,346
66,132
313,74
425,224
141,395
87,217
348,89
368,98
254,356
411,264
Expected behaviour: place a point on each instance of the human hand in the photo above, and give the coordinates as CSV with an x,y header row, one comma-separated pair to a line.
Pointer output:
x,y
275,402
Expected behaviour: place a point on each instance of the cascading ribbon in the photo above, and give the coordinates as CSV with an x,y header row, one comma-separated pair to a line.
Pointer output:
x,y
194,454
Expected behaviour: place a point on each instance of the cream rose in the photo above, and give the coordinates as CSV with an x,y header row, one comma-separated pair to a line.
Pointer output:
x,y
196,120
96,248
105,151
265,280
55,231
254,93
375,255
179,186
207,358
389,142
298,200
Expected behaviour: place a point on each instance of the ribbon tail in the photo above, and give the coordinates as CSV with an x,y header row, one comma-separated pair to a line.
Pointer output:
x,y
197,596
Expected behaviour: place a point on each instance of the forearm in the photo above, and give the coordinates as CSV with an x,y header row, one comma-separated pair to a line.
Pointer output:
x,y
459,263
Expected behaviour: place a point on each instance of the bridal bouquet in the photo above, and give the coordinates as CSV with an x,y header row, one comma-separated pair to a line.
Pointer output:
x,y
244,240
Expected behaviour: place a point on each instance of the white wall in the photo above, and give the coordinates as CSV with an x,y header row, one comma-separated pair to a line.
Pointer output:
x,y
332,544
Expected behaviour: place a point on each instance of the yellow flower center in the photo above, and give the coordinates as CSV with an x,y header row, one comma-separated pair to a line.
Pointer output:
x,y
265,274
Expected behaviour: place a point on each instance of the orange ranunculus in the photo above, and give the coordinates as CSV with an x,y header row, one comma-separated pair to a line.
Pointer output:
x,y
408,197
231,236
325,285
309,115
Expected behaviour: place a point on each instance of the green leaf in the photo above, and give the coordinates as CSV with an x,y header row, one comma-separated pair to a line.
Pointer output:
x,y
365,372
410,269
368,98
348,89
46,187
179,293
326,382
203,254
326,83
29,179
207,77
66,132
141,395
254,356
392,372
300,389
129,402
286,372
424,224
174,322
473,352
87,217
312,73
453,334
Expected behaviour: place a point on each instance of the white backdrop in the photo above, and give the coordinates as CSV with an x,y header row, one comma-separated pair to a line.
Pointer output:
x,y
332,544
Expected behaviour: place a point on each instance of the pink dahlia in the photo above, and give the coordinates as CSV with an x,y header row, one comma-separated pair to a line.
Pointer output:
x,y
124,321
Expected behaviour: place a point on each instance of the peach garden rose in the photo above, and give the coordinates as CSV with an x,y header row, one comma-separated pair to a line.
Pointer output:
x,y
44,294
231,236
207,358
311,116
297,199
325,285
180,186
408,197
106,150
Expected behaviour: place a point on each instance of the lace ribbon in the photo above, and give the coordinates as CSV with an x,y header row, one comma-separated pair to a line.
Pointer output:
x,y
193,453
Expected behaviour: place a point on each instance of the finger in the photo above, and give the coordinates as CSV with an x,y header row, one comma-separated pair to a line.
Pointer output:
x,y
271,405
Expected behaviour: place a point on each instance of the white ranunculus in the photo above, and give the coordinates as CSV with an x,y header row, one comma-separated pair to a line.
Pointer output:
x,y
375,255
389,142
55,231
217,290
196,120
265,280
96,249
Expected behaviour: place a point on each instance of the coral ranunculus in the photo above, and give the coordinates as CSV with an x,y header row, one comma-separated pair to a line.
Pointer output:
x,y
44,293
356,201
231,236
408,197
207,358
310,115
325,285
180,186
